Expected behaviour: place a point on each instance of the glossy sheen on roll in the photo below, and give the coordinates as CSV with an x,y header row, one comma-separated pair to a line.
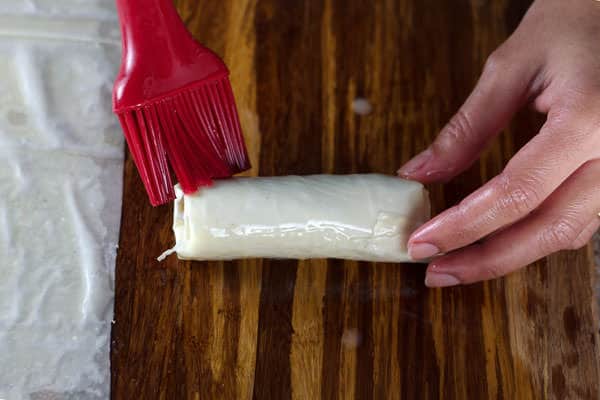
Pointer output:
x,y
365,217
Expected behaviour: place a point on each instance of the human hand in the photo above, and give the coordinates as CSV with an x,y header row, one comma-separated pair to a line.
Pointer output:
x,y
548,196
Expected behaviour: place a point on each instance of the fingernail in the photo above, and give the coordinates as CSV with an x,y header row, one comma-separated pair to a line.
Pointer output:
x,y
440,280
418,251
414,165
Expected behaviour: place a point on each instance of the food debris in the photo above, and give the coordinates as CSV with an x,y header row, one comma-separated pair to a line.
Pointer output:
x,y
362,106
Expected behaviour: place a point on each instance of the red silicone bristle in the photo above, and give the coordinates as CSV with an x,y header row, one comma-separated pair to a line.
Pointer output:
x,y
223,106
196,129
190,151
149,157
238,149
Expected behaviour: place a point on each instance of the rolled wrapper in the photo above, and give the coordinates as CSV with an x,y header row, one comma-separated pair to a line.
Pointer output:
x,y
365,217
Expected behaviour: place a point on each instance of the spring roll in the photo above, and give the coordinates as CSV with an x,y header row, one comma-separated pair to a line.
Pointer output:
x,y
366,217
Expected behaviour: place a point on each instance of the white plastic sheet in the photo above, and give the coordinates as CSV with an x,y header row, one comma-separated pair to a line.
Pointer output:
x,y
60,178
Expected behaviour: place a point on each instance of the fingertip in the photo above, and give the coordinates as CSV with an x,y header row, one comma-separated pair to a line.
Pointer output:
x,y
412,169
440,175
421,251
432,171
426,233
405,175
438,280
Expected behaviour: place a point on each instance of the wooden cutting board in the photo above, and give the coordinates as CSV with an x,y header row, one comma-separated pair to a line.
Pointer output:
x,y
279,329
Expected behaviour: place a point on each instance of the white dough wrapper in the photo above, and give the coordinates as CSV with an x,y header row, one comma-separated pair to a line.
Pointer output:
x,y
364,217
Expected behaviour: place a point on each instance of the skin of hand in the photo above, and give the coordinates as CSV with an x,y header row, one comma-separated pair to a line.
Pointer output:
x,y
548,196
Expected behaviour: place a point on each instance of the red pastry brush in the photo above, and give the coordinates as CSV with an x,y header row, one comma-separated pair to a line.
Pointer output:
x,y
174,102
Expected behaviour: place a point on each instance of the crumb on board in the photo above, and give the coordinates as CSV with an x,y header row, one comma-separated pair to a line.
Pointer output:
x,y
362,106
351,338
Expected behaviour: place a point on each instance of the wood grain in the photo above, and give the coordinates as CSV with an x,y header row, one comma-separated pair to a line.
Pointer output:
x,y
281,329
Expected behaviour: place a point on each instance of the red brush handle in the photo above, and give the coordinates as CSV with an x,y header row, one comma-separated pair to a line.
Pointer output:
x,y
146,24
159,55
